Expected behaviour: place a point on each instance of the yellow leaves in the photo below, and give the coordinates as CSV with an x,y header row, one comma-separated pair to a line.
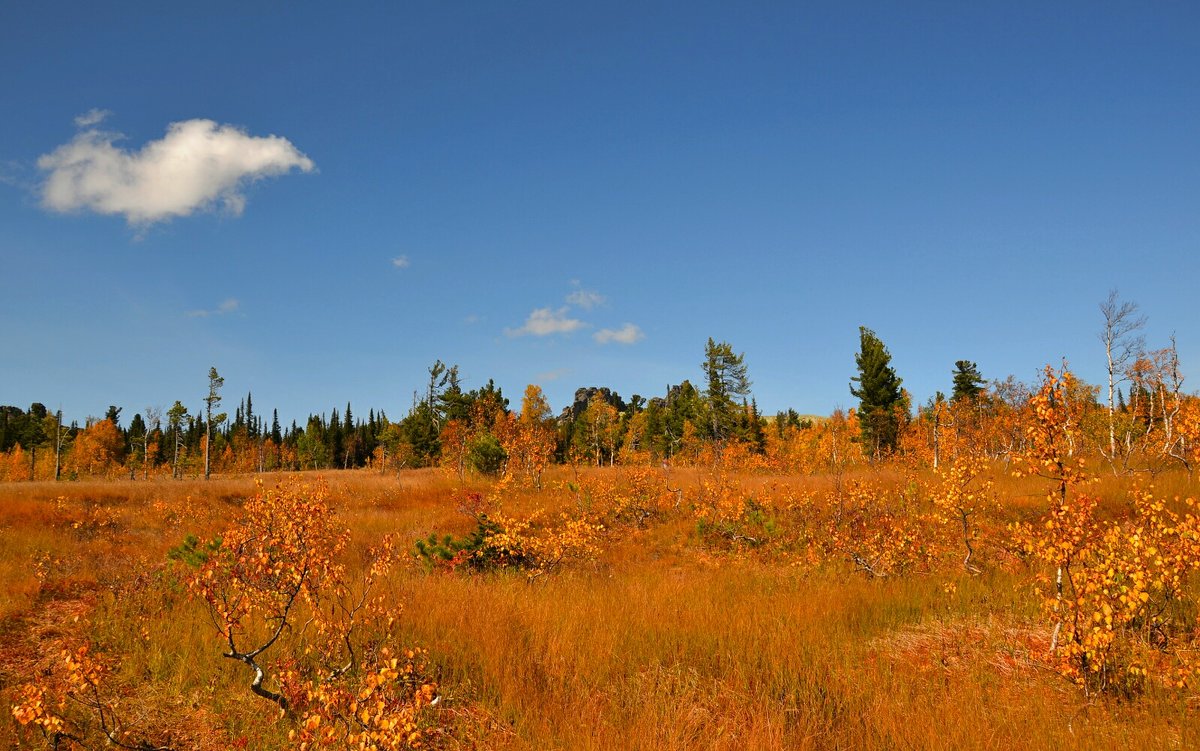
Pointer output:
x,y
74,681
1121,577
30,709
284,545
541,546
388,706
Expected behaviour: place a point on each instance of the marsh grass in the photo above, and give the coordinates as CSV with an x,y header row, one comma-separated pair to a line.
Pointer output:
x,y
659,643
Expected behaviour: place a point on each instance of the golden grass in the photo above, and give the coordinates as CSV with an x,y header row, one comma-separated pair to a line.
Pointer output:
x,y
658,644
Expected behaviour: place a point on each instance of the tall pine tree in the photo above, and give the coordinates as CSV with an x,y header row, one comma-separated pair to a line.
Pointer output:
x,y
725,374
879,395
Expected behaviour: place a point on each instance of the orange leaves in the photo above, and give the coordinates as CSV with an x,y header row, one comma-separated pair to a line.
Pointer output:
x,y
1124,599
542,547
529,440
32,708
455,439
632,494
597,431
69,707
385,707
961,491
825,446
1119,598
284,544
882,535
1052,434
96,450
280,564
14,465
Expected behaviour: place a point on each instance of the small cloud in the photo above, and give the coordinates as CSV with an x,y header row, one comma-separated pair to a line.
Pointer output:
x,y
198,164
227,306
472,319
552,375
401,262
584,298
544,322
627,334
94,116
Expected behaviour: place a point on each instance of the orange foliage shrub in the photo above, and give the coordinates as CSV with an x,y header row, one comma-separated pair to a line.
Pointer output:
x,y
71,709
542,546
882,535
1120,604
279,565
960,493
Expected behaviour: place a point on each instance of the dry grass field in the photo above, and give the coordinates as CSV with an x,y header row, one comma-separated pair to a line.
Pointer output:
x,y
663,632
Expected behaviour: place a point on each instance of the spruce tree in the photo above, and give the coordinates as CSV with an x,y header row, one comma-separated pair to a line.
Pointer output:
x,y
878,392
251,425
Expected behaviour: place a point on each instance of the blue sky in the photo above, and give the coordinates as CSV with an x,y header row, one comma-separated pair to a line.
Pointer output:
x,y
583,195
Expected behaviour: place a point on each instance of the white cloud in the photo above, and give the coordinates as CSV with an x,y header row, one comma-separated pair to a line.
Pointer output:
x,y
197,164
585,298
627,334
552,375
544,321
228,305
401,262
94,116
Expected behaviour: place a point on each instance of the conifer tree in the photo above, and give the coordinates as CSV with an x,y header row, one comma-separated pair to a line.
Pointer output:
x,y
968,383
211,402
879,395
725,373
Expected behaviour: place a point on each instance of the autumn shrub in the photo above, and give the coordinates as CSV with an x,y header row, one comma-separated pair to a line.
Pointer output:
x,y
277,574
541,543
71,706
961,493
1119,596
633,495
537,543
882,534
728,514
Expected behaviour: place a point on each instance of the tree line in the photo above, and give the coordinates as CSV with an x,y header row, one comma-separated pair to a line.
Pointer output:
x,y
1146,420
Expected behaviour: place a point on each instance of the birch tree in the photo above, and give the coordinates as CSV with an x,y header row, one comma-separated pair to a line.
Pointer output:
x,y
1122,344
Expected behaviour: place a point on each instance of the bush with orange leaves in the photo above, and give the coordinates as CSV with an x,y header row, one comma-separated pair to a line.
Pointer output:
x,y
542,547
630,495
727,515
277,573
383,710
882,534
1121,605
961,492
1122,610
537,543
70,708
